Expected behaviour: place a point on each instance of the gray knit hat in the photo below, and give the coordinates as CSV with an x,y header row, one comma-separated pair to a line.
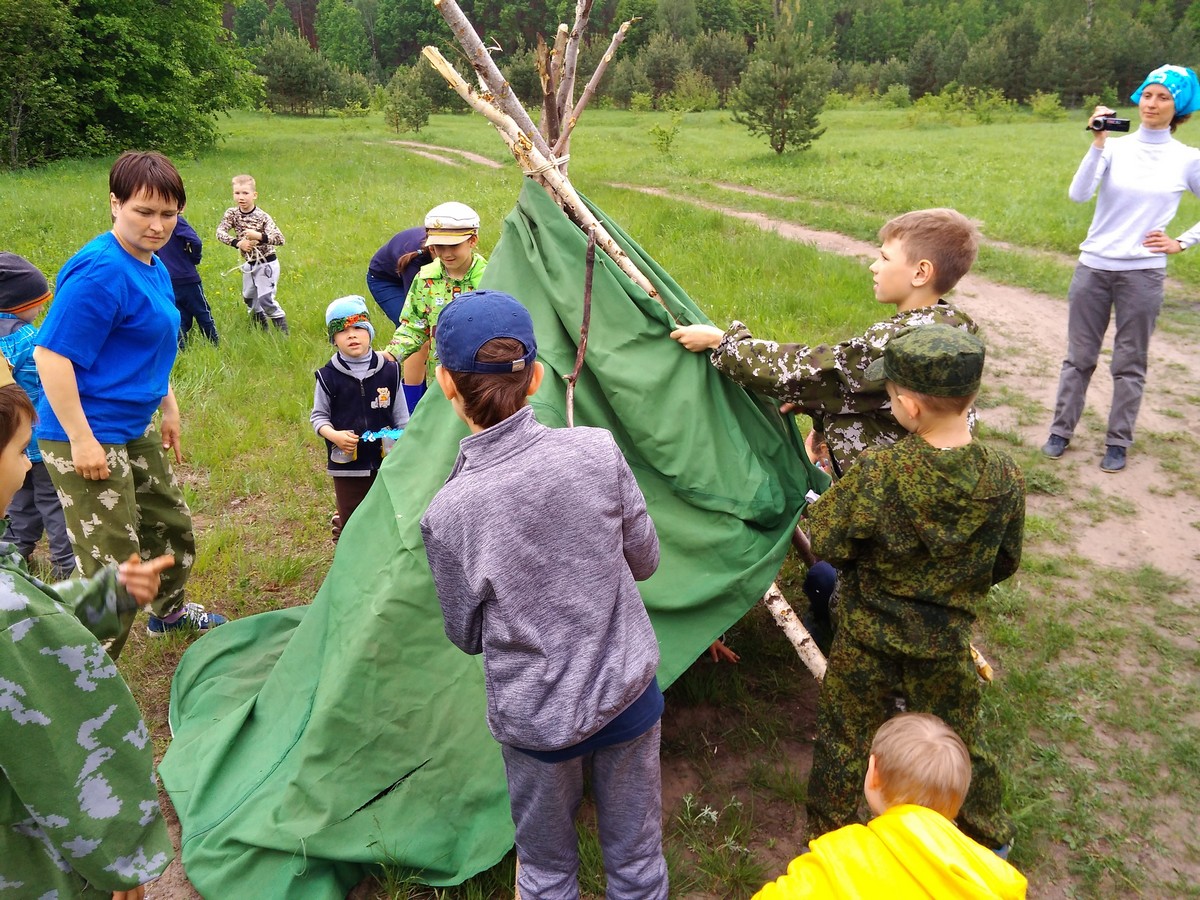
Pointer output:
x,y
22,284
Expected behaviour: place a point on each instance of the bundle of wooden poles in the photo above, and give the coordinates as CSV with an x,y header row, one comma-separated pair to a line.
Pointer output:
x,y
542,155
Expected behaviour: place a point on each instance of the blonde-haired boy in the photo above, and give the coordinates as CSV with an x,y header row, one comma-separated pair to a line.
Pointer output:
x,y
252,231
917,777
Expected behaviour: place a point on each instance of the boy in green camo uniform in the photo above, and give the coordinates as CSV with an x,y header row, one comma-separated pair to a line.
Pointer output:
x,y
79,813
923,255
919,531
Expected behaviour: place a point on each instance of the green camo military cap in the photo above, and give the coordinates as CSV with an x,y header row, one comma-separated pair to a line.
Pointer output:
x,y
938,360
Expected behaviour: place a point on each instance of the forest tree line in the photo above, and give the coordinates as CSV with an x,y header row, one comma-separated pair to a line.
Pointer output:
x,y
88,77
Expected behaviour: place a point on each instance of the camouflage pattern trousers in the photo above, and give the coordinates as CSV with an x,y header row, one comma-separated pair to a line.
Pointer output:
x,y
859,693
138,509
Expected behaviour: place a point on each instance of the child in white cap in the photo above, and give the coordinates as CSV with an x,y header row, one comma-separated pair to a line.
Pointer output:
x,y
357,391
451,233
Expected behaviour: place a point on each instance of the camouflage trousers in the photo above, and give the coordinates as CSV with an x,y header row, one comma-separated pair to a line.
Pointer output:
x,y
138,509
859,693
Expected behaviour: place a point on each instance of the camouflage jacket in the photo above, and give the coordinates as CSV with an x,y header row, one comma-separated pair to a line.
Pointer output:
x,y
79,813
431,290
827,381
919,535
236,223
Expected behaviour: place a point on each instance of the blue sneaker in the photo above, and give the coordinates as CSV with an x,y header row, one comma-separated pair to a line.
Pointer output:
x,y
1003,851
193,618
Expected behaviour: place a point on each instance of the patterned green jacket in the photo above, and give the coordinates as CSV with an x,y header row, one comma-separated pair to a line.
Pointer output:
x,y
79,812
429,293
919,535
827,381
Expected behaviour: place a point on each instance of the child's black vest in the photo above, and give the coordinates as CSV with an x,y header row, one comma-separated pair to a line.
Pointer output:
x,y
360,406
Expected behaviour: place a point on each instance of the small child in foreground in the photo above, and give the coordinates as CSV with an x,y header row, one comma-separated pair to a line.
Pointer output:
x,y
252,231
535,542
357,391
79,813
919,531
917,776
35,506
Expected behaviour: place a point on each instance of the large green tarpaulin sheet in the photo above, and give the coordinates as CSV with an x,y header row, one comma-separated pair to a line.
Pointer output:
x,y
313,743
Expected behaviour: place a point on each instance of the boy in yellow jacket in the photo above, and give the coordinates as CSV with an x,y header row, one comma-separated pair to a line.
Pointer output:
x,y
917,777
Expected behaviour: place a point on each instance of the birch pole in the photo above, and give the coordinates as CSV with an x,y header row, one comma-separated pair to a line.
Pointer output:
x,y
489,74
568,123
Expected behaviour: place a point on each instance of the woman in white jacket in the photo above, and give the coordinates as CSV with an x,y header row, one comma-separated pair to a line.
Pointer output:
x,y
1139,181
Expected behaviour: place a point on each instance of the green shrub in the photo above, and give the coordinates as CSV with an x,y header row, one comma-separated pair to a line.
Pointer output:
x,y
664,137
408,105
694,92
895,96
836,100
990,106
1107,97
1047,106
641,102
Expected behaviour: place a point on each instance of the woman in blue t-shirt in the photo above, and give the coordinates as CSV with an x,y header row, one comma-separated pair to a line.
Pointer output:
x,y
104,355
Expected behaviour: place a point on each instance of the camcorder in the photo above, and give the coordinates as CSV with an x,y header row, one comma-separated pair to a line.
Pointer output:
x,y
1107,123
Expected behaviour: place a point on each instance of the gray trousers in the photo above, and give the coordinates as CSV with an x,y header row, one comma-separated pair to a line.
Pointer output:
x,y
627,787
258,287
35,507
1133,298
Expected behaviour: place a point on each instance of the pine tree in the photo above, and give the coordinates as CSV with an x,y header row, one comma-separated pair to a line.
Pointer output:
x,y
784,87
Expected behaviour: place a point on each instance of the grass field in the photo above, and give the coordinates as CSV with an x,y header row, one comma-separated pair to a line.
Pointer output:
x,y
255,478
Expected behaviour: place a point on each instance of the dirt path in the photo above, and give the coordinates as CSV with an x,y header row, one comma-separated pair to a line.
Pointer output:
x,y
1027,334
438,154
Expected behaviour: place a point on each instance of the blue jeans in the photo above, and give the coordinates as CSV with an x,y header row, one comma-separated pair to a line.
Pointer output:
x,y
193,306
389,295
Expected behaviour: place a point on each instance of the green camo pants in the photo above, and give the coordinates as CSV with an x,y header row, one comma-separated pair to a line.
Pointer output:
x,y
856,698
138,509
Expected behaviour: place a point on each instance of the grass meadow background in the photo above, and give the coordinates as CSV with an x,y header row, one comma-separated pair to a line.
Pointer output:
x,y
255,479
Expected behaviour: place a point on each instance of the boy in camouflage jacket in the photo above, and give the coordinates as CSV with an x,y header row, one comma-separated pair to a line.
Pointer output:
x,y
79,813
923,255
919,531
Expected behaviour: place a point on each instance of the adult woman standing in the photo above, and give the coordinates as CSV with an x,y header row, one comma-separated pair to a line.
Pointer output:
x,y
104,354
1140,180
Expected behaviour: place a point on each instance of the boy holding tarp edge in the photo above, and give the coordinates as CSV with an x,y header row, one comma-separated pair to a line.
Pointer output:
x,y
924,254
920,531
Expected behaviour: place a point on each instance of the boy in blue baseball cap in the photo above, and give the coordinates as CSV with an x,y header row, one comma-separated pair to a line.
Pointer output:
x,y
535,543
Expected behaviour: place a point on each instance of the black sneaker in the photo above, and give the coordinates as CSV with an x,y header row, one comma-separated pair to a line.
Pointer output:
x,y
1114,459
1055,446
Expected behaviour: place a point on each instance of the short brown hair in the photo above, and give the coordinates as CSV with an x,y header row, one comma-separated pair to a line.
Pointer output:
x,y
1176,121
149,171
490,399
945,237
245,179
15,408
920,760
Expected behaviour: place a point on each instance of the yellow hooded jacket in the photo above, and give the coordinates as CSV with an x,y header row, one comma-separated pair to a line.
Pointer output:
x,y
908,852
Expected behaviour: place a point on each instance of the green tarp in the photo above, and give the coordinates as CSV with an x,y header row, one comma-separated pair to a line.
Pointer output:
x,y
312,743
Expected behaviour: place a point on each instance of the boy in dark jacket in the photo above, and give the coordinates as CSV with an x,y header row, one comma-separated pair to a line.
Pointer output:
x,y
535,543
181,255
357,391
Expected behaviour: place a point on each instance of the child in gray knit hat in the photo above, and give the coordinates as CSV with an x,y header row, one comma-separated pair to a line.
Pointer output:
x,y
35,507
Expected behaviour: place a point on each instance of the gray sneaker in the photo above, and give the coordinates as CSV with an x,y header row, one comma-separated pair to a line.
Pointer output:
x,y
1114,459
1055,446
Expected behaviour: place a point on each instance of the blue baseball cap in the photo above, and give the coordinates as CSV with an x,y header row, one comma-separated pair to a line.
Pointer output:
x,y
472,319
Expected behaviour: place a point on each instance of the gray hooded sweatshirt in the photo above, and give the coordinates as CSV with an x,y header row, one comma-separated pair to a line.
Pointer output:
x,y
535,542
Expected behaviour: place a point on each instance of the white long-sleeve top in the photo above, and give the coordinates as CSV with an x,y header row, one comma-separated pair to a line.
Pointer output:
x,y
1141,179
